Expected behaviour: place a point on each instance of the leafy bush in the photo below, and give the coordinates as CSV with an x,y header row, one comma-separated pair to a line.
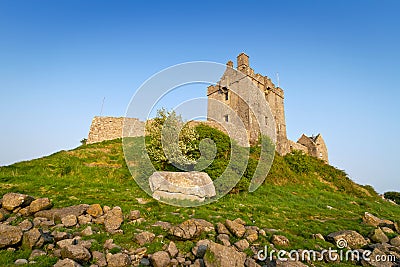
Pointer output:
x,y
394,196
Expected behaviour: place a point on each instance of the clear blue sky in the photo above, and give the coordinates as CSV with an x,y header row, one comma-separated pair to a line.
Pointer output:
x,y
339,63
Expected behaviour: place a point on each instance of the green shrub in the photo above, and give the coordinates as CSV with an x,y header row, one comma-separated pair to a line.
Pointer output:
x,y
394,196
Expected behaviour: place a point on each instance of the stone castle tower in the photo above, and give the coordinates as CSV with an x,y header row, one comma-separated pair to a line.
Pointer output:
x,y
274,95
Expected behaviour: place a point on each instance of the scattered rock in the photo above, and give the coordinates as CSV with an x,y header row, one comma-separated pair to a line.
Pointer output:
x,y
251,235
113,220
109,244
242,244
193,186
36,253
387,230
235,228
201,247
280,240
134,215
84,219
221,256
145,262
144,238
118,260
65,242
221,229
224,239
40,204
95,210
9,235
395,241
69,220
172,249
191,228
21,262
379,236
59,235
75,252
57,214
30,238
251,263
160,259
164,225
12,201
87,231
99,258
25,225
319,236
353,239
239,221
66,263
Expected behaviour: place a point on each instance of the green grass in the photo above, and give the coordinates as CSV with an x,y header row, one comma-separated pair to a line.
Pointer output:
x,y
294,198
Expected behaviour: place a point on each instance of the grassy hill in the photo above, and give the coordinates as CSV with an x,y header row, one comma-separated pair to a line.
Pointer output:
x,y
301,195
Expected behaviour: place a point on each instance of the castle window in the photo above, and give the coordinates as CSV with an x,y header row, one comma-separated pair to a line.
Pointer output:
x,y
266,121
226,118
226,96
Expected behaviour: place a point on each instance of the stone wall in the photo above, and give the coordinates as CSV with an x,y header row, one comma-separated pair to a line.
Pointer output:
x,y
109,128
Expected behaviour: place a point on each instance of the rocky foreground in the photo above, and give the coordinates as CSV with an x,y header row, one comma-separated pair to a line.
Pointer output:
x,y
31,223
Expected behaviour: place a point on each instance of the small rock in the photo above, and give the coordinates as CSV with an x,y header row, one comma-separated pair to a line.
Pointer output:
x,y
106,209
109,244
65,242
21,262
239,221
251,263
25,225
172,249
30,238
191,228
319,236
395,241
40,204
75,252
84,219
251,235
15,200
224,239
221,229
379,236
242,244
95,210
57,214
164,225
87,231
113,220
145,262
69,220
397,227
219,255
353,239
235,228
160,259
387,230
59,235
36,253
99,258
262,232
118,260
66,263
144,238
134,215
280,240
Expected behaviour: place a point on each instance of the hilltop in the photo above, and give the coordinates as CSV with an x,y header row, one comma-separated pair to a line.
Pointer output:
x,y
301,196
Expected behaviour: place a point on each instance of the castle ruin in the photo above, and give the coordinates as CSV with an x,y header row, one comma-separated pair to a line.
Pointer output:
x,y
108,128
314,145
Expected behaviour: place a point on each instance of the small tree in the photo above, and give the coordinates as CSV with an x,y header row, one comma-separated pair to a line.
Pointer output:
x,y
83,141
170,141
